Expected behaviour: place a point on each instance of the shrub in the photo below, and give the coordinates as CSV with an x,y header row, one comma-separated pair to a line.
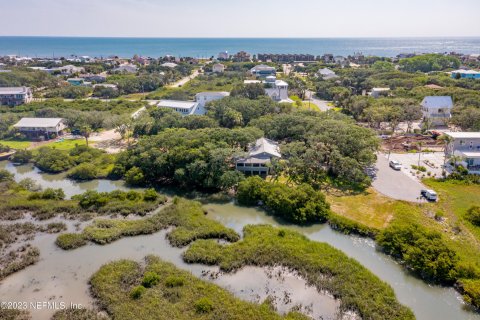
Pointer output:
x,y
301,204
5,175
150,279
135,177
150,195
203,305
473,215
4,148
52,160
68,241
48,194
137,292
174,281
22,156
30,185
281,233
84,171
422,251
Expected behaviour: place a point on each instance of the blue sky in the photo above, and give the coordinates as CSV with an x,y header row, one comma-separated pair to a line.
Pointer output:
x,y
241,18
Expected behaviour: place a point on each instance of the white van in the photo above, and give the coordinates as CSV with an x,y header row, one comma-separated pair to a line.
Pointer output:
x,y
430,195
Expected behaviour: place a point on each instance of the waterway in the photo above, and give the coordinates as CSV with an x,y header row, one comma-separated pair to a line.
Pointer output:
x,y
63,275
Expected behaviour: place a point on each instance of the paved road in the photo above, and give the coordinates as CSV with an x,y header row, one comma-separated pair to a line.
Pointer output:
x,y
396,184
183,81
321,104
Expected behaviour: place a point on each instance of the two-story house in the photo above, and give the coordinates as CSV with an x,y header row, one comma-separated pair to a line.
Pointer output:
x,y
259,156
437,109
466,145
14,96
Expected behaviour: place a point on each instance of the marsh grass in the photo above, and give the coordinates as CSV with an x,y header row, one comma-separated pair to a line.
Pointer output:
x,y
186,216
320,264
112,286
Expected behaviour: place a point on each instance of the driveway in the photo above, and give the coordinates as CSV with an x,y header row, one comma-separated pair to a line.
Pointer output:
x,y
396,184
185,80
321,104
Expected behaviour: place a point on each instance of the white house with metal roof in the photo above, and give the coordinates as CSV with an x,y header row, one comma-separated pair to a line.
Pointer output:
x,y
185,108
14,96
326,74
465,74
437,109
40,127
466,145
259,156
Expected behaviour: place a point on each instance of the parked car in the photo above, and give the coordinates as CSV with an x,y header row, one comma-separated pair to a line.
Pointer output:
x,y
395,165
430,195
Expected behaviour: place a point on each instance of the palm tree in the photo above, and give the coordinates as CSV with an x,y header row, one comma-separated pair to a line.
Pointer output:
x,y
86,131
420,145
447,140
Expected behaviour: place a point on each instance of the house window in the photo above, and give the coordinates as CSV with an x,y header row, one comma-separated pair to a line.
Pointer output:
x,y
256,165
240,165
462,142
471,145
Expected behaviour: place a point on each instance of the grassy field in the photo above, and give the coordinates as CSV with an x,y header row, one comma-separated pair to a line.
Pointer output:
x,y
160,291
16,144
320,264
66,145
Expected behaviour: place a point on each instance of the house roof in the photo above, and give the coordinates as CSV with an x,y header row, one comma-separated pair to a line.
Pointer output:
x,y
438,102
13,90
213,93
464,135
326,72
468,154
262,67
176,104
38,122
264,145
380,89
169,65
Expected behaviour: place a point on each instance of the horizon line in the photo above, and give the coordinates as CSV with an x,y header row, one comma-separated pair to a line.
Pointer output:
x,y
234,37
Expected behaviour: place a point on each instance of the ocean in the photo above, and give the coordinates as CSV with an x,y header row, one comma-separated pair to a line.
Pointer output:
x,y
207,47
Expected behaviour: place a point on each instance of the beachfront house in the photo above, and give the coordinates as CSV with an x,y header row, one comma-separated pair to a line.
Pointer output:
x,y
437,109
218,68
43,128
326,74
260,154
465,74
15,96
223,55
170,65
263,71
185,108
466,146
379,92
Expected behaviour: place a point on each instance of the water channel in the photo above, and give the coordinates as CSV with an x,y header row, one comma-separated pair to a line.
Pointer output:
x,y
63,275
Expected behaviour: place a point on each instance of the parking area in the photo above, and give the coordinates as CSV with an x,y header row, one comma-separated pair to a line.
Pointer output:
x,y
399,185
432,162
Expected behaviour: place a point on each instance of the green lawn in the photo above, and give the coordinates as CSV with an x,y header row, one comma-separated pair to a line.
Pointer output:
x,y
16,144
66,144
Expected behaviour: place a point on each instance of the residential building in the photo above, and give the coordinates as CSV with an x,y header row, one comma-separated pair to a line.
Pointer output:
x,y
67,70
378,92
223,55
105,85
97,78
263,71
14,96
260,154
185,108
286,58
241,56
203,98
41,127
326,74
465,74
277,89
466,145
126,68
218,68
437,109
170,65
